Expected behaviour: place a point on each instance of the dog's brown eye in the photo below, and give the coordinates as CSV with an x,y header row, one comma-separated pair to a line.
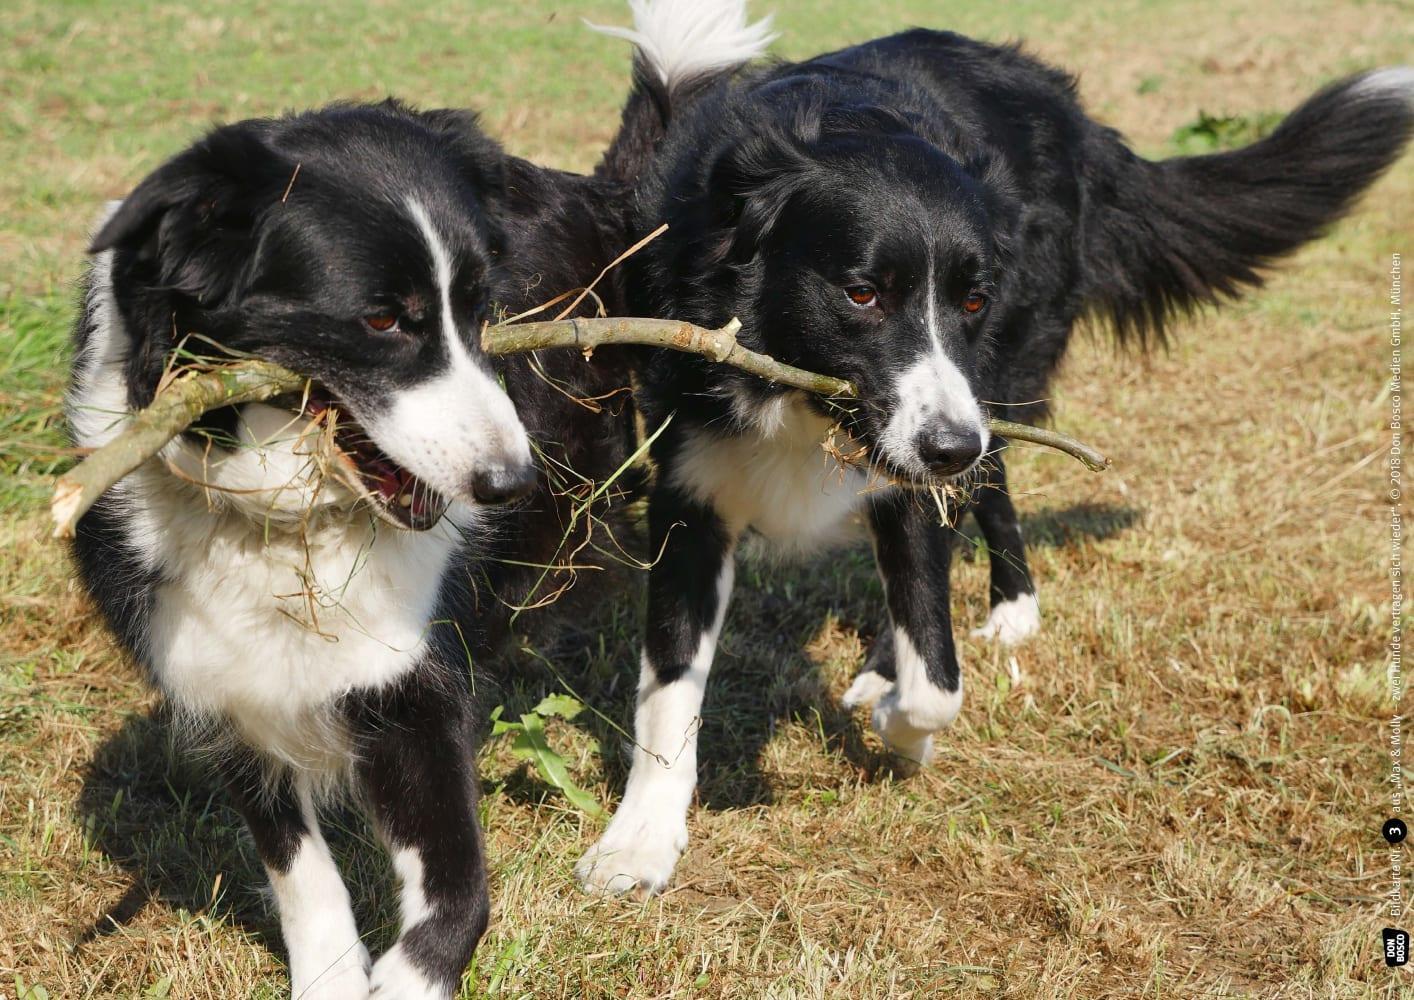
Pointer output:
x,y
862,295
974,303
382,322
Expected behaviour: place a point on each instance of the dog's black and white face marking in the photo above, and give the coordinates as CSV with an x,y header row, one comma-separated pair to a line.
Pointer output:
x,y
883,277
457,399
253,241
859,252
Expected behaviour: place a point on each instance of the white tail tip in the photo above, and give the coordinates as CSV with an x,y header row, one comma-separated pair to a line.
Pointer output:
x,y
1392,81
682,40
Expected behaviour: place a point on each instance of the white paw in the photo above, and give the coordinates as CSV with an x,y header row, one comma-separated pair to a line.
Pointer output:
x,y
907,740
1012,621
343,976
868,687
395,978
631,858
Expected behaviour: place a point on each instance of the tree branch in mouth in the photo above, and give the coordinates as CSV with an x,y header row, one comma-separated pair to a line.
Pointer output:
x,y
184,398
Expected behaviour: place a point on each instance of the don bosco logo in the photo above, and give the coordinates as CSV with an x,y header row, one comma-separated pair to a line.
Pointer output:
x,y
1396,947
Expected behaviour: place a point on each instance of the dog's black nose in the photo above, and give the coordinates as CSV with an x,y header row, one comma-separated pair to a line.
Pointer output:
x,y
948,452
502,484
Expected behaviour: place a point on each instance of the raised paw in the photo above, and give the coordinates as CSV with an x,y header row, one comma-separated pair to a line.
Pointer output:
x,y
906,740
631,858
868,688
1012,621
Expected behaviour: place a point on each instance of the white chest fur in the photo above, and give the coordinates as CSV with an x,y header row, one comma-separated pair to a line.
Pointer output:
x,y
776,477
270,630
276,598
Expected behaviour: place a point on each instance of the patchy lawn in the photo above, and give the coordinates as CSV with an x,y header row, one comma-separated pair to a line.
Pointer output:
x,y
1174,792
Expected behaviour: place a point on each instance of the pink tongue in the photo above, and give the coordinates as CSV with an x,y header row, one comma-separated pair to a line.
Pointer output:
x,y
388,484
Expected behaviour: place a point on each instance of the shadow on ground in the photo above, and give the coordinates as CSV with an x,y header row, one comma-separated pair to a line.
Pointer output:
x,y
161,817
1062,527
1079,522
761,675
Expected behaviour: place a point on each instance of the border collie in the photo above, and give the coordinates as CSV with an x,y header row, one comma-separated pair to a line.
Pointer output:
x,y
309,581
926,216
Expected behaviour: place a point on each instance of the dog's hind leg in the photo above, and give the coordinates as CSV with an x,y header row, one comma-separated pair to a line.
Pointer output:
x,y
688,591
417,765
1015,614
327,959
917,690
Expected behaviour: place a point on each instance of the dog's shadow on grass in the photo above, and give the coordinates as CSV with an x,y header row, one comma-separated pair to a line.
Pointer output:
x,y
162,817
762,675
159,814
1055,528
1061,527
761,679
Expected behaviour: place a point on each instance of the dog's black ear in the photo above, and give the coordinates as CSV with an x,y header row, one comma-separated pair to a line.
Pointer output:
x,y
748,188
482,162
192,222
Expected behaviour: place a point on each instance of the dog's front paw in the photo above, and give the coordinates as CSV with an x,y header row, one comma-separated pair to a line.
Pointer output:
x,y
342,976
1012,621
396,978
905,739
868,687
904,717
631,857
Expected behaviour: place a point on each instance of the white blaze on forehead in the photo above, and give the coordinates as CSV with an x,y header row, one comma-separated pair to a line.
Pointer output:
x,y
935,330
442,273
457,420
933,390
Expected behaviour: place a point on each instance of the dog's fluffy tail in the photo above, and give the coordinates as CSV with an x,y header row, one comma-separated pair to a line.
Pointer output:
x,y
680,47
1163,237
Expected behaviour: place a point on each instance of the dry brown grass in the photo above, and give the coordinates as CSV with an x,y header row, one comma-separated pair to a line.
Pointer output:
x,y
1179,796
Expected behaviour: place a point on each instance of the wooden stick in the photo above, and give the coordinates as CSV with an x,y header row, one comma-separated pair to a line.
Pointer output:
x,y
182,402
1092,459
175,408
720,345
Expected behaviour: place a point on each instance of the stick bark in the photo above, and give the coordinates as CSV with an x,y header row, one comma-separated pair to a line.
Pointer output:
x,y
182,402
720,345
1092,459
175,408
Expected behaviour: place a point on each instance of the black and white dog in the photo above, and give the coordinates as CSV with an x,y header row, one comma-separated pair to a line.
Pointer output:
x,y
926,216
309,581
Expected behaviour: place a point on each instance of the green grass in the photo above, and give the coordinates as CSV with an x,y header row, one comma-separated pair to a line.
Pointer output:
x,y
32,354
1174,793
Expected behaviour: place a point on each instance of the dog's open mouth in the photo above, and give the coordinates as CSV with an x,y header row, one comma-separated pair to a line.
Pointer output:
x,y
394,493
